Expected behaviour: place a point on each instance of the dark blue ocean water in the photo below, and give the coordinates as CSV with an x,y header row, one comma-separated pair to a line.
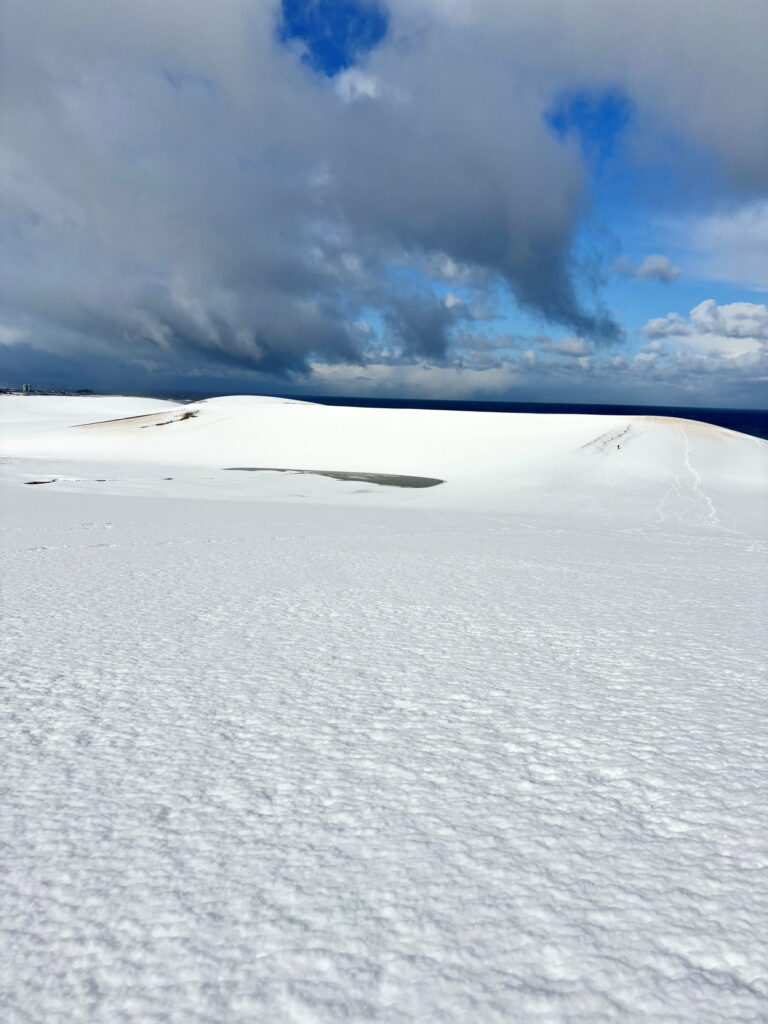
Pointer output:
x,y
746,421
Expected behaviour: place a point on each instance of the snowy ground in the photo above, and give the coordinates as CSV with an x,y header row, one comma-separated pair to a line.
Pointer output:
x,y
318,750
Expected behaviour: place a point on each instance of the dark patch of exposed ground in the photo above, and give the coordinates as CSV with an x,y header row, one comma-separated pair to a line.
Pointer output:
x,y
382,479
141,416
173,419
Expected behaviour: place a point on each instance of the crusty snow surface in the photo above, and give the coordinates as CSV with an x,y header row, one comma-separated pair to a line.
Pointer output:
x,y
285,748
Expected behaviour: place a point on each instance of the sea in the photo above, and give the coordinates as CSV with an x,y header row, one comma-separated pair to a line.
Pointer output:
x,y
746,421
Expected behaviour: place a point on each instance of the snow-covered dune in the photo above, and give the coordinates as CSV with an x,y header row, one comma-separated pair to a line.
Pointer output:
x,y
486,460
485,751
25,414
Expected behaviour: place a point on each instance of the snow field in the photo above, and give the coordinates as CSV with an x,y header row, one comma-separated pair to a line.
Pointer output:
x,y
316,760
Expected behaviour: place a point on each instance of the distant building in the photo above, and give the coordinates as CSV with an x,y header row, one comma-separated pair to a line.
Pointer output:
x,y
27,389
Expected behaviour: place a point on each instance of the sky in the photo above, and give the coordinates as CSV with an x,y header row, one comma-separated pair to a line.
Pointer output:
x,y
455,199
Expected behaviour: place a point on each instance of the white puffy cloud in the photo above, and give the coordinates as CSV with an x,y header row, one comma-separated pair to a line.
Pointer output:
x,y
733,335
732,320
670,326
731,329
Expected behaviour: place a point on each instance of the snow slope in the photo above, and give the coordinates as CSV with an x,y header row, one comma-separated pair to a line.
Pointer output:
x,y
25,414
674,469
488,751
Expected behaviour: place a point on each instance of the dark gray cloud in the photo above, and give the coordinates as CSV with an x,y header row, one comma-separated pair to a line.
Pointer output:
x,y
180,190
421,324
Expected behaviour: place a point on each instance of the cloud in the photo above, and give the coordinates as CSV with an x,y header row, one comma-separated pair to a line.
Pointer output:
x,y
11,335
729,245
691,69
732,320
354,84
715,353
670,326
181,189
421,323
735,332
652,268
568,346
414,379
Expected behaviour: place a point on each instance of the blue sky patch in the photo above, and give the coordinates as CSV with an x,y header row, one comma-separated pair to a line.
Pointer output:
x,y
597,119
335,32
